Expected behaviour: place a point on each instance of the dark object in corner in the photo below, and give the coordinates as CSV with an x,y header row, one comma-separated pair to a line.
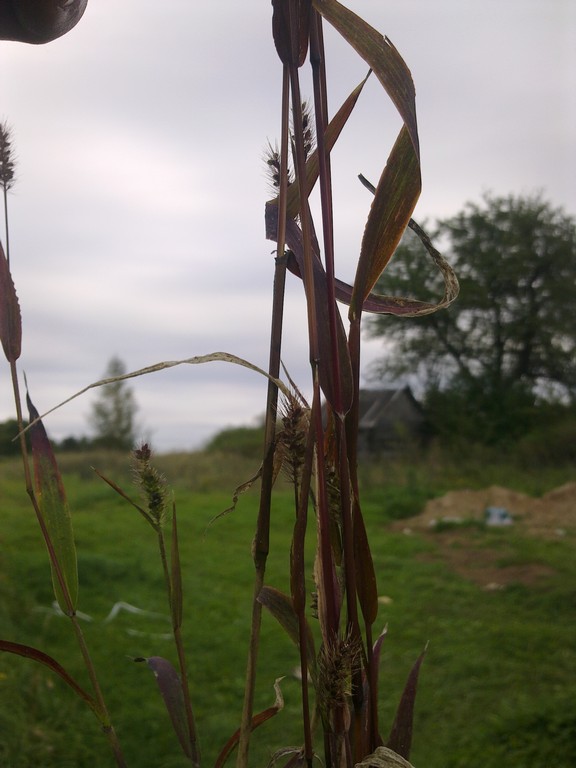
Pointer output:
x,y
38,21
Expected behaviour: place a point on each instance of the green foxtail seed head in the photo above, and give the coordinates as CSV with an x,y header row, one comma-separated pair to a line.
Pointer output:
x,y
295,417
152,485
335,663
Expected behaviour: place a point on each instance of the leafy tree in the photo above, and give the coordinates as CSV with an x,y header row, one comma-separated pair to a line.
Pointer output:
x,y
8,431
509,340
113,413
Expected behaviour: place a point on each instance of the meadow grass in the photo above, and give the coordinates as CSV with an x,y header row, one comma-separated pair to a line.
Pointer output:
x,y
495,688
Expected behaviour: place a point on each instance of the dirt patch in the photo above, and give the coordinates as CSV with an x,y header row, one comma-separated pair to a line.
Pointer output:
x,y
464,549
482,564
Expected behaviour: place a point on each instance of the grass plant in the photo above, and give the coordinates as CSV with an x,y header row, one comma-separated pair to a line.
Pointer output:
x,y
177,590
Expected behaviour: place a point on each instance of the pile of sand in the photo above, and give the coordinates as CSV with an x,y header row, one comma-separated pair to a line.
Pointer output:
x,y
552,515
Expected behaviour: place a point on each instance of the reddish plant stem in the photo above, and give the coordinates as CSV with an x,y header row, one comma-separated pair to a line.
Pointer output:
x,y
327,564
352,435
261,544
298,586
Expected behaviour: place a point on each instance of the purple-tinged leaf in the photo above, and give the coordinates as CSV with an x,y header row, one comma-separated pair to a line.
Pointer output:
x,y
376,651
400,739
280,606
365,574
10,318
42,658
257,720
55,513
170,687
370,684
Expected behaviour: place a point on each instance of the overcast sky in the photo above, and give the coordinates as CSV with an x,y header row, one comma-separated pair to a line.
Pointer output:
x,y
137,217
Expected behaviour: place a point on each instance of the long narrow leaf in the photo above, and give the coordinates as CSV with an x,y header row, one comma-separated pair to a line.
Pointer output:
x,y
55,514
400,739
365,573
10,318
376,652
171,690
225,357
42,658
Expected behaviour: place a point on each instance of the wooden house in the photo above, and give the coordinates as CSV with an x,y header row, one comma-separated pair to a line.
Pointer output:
x,y
390,420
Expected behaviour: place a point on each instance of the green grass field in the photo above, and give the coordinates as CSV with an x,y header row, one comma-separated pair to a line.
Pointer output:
x,y
497,687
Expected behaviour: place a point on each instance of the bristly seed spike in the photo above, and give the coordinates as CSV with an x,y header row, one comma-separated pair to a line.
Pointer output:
x,y
6,175
7,165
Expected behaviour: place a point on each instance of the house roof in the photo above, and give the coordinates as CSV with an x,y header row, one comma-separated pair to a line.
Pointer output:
x,y
376,404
